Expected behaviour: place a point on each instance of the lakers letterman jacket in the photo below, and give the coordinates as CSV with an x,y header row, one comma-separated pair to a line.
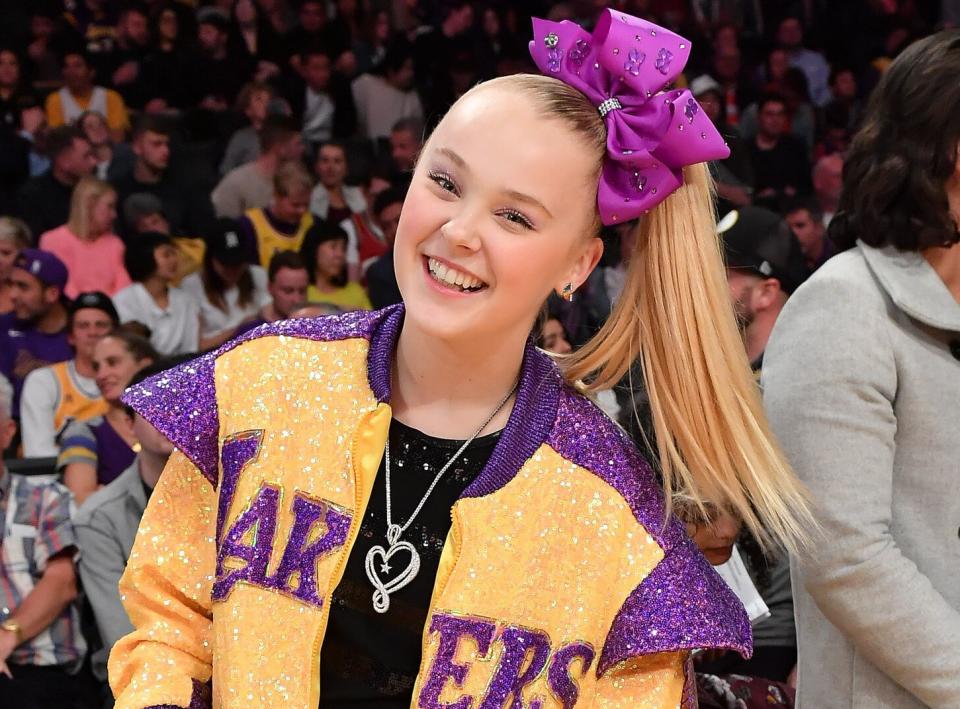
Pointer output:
x,y
559,584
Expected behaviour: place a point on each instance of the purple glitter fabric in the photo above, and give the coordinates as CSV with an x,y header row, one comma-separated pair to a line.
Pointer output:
x,y
181,402
261,515
510,678
199,698
558,676
237,452
451,628
533,415
683,603
301,559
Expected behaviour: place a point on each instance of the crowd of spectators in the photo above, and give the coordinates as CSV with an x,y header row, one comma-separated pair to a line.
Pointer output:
x,y
175,173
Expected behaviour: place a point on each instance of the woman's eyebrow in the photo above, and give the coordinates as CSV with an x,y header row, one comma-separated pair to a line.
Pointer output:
x,y
533,201
454,158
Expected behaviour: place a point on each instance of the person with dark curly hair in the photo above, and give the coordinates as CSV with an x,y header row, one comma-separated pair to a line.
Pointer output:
x,y
861,385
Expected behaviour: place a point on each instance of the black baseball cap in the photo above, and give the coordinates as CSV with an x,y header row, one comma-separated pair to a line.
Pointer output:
x,y
97,301
758,240
225,244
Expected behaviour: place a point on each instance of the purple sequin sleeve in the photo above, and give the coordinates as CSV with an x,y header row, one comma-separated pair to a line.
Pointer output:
x,y
181,402
683,604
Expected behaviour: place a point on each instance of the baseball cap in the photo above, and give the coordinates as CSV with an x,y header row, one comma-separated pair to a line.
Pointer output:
x,y
758,240
213,16
225,245
97,301
44,266
704,84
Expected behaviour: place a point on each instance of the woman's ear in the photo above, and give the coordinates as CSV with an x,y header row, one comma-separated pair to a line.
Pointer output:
x,y
587,260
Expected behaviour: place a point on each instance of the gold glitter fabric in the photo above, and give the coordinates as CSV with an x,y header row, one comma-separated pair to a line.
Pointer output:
x,y
554,588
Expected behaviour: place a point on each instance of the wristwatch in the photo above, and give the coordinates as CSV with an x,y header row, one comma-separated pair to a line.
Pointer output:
x,y
12,626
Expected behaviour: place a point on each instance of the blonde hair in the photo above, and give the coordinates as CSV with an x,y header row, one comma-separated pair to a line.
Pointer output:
x,y
291,179
712,438
86,194
15,231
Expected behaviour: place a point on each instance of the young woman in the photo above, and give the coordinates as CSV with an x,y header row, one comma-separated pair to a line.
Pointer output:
x,y
95,451
229,290
417,491
14,236
87,245
325,253
170,314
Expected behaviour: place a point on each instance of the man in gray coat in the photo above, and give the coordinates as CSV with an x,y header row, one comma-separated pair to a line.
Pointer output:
x,y
106,526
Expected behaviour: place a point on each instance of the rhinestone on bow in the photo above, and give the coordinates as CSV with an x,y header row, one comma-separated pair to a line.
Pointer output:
x,y
691,109
579,52
634,60
554,57
610,104
639,181
664,58
551,40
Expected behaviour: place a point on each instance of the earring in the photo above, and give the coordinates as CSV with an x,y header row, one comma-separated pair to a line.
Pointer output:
x,y
567,292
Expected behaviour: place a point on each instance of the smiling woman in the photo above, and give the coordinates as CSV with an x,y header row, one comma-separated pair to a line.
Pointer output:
x,y
444,518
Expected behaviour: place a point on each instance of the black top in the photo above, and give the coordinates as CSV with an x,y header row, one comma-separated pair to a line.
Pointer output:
x,y
370,659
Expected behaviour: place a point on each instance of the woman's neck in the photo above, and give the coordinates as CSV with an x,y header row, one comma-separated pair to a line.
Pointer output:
x,y
324,284
446,389
946,262
336,196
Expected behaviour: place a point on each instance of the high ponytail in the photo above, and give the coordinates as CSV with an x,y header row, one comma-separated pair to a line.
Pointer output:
x,y
674,314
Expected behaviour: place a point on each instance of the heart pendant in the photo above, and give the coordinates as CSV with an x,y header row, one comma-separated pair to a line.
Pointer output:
x,y
382,591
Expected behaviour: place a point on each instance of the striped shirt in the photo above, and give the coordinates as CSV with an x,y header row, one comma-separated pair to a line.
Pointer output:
x,y
34,527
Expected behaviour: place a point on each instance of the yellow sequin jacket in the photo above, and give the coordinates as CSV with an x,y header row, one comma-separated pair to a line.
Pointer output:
x,y
558,586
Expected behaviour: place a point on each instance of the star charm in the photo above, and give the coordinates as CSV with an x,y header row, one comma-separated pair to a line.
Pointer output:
x,y
385,568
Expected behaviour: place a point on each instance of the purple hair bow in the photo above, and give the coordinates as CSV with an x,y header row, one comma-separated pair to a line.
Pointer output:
x,y
622,68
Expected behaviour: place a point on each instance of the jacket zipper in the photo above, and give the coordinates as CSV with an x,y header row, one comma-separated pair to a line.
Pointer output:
x,y
437,593
338,570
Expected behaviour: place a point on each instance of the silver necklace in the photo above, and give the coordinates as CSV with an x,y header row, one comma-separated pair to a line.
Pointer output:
x,y
378,556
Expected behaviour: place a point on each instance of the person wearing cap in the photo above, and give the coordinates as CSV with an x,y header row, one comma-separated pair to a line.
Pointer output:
x,y
229,290
172,316
34,334
764,266
67,390
732,175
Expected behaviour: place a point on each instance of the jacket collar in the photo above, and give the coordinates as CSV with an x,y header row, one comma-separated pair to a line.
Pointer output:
x,y
530,422
913,286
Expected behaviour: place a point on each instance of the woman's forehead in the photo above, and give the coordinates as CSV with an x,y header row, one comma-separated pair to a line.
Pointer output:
x,y
500,135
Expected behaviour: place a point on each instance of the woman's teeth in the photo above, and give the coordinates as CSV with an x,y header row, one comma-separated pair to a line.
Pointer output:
x,y
452,277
